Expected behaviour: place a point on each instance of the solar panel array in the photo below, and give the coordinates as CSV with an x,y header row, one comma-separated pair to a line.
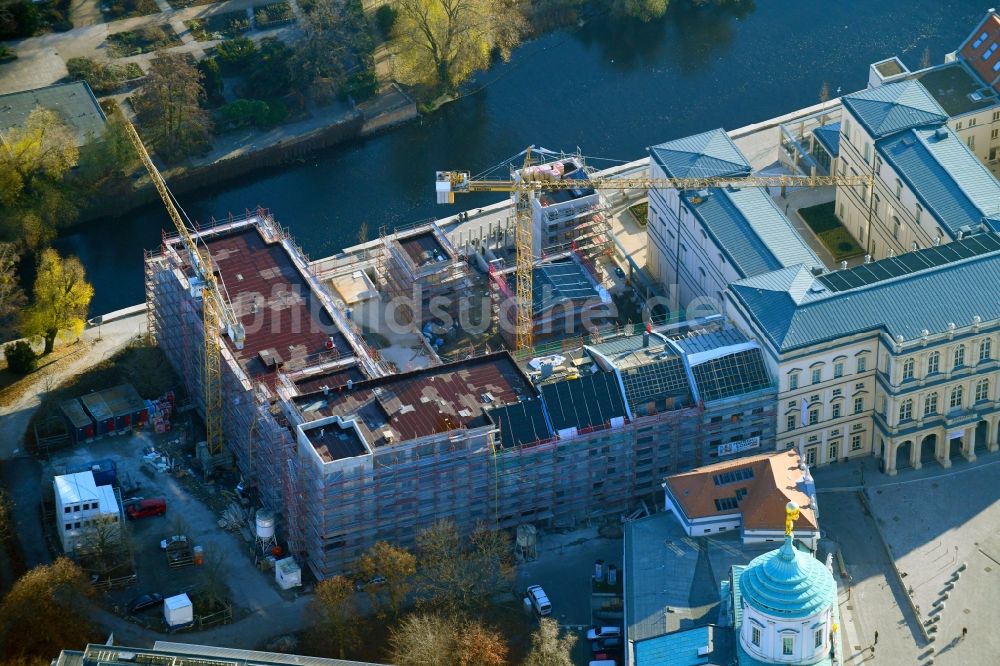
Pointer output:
x,y
733,374
910,262
732,476
655,381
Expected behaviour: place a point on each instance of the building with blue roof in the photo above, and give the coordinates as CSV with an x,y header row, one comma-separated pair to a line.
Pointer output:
x,y
928,185
701,241
895,358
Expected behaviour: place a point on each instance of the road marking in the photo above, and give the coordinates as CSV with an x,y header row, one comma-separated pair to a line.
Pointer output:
x,y
695,546
678,551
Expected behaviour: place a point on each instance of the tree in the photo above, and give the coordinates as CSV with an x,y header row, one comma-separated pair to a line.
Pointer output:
x,y
548,648
236,53
213,590
438,640
644,10
336,614
34,158
11,295
925,58
6,517
52,597
321,52
169,106
61,298
104,548
462,577
107,161
394,564
269,75
21,358
824,92
441,42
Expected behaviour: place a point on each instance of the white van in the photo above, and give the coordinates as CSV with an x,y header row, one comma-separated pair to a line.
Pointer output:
x,y
539,601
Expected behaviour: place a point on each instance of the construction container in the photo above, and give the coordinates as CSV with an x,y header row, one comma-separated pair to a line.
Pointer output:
x,y
100,412
178,611
126,407
105,471
198,555
287,573
81,426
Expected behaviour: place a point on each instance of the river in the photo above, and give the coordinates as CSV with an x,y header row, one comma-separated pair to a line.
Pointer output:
x,y
611,88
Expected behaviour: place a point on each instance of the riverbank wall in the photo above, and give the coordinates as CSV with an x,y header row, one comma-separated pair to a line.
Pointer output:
x,y
392,107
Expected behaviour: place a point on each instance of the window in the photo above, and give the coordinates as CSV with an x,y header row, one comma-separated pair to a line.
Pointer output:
x,y
819,637
972,122
988,52
813,416
862,364
896,226
919,211
908,369
790,422
816,375
755,636
982,390
838,392
832,451
67,509
811,456
76,507
859,405
855,442
971,142
956,398
979,41
959,356
985,349
930,404
838,369
876,205
791,404
994,133
958,125
788,645
69,526
899,189
996,116
76,525
836,410
933,363
793,381
906,410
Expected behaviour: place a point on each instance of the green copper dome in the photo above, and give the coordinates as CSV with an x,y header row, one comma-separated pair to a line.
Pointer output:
x,y
787,583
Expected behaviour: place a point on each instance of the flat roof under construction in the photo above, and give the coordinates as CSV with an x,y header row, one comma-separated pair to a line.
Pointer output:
x,y
423,248
281,314
416,404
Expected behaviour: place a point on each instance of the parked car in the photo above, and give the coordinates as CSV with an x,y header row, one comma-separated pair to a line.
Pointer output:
x,y
377,580
156,506
603,632
610,644
144,601
539,600
170,541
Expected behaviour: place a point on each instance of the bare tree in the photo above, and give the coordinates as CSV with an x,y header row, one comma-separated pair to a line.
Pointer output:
x,y
436,640
548,648
463,576
397,566
169,106
12,297
336,615
105,548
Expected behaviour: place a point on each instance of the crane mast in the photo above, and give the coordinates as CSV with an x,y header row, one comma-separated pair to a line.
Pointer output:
x,y
216,309
524,183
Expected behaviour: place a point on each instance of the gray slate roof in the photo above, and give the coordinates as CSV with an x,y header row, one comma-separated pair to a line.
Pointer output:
x,y
74,102
894,107
794,309
751,231
946,177
703,155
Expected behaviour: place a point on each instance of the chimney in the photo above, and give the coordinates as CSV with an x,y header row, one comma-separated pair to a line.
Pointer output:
x,y
843,265
868,258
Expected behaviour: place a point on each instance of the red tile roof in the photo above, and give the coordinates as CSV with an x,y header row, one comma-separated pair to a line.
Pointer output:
x,y
774,484
982,50
275,303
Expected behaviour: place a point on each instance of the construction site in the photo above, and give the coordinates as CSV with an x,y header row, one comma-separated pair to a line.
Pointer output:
x,y
334,400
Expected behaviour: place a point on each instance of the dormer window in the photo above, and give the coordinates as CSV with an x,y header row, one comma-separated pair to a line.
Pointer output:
x,y
979,41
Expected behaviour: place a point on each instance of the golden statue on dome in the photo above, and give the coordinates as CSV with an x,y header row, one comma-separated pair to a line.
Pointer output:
x,y
791,515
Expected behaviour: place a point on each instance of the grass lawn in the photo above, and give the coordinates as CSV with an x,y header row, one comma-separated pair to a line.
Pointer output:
x,y
824,223
144,40
120,9
640,212
219,26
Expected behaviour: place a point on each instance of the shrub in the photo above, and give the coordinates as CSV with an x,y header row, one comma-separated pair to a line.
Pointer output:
x,y
236,53
251,113
22,20
21,358
102,78
385,18
273,14
212,81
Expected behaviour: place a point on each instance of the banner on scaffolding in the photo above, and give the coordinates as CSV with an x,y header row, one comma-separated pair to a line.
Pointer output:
x,y
730,448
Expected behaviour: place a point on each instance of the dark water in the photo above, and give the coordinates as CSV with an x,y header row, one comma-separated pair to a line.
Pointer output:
x,y
610,88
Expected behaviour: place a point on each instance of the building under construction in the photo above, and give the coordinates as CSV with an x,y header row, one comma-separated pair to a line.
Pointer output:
x,y
347,453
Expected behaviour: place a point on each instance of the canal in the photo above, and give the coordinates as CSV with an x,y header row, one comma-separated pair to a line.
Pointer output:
x,y
610,88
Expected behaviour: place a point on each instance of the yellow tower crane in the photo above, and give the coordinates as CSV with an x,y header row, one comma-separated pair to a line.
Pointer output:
x,y
216,309
524,184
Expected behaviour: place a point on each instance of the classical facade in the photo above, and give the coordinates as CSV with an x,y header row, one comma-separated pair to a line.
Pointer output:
x,y
701,241
896,358
928,187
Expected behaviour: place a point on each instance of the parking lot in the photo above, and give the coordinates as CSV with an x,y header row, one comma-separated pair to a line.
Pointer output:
x,y
251,590
564,568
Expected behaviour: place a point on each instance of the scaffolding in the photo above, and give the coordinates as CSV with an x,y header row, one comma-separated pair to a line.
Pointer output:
x,y
417,264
